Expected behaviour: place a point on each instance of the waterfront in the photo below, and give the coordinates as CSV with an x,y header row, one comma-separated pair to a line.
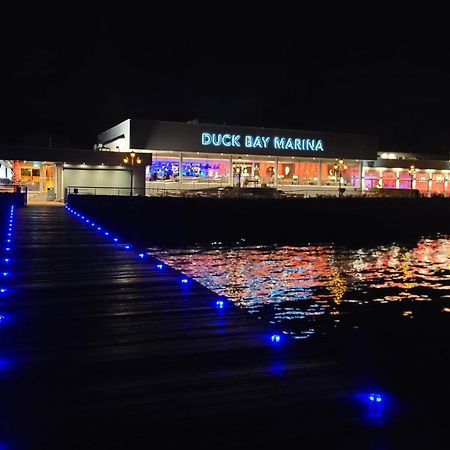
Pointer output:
x,y
314,291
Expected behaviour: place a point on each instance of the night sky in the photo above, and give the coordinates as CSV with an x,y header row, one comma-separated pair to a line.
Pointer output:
x,y
74,88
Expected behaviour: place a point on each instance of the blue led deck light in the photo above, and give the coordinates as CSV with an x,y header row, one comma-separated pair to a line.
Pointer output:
x,y
87,220
8,240
9,234
7,249
219,304
375,398
82,217
6,260
106,233
184,281
275,338
99,228
115,240
141,255
159,266
2,318
5,274
2,290
127,247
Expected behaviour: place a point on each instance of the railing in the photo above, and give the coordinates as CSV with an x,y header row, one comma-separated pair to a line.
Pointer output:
x,y
14,192
13,188
171,189
104,190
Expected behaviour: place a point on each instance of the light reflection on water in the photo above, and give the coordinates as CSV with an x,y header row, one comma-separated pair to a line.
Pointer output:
x,y
310,290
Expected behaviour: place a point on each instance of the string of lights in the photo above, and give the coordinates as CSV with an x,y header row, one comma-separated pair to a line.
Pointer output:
x,y
6,257
373,399
219,304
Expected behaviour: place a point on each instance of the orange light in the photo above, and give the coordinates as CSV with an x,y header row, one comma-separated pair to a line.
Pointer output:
x,y
125,160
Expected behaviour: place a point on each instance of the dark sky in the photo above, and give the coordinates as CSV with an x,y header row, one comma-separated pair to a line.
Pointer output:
x,y
74,88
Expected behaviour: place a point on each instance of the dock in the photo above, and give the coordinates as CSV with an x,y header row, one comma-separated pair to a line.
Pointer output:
x,y
102,348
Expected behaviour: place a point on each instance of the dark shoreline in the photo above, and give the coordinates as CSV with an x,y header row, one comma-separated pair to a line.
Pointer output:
x,y
175,222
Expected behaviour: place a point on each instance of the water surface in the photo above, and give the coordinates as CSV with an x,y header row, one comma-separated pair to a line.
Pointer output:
x,y
314,290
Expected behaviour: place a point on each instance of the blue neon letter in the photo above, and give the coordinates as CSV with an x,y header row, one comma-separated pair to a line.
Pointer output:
x,y
206,139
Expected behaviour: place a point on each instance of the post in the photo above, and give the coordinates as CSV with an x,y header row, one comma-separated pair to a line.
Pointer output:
x,y
180,171
275,181
319,178
132,174
412,171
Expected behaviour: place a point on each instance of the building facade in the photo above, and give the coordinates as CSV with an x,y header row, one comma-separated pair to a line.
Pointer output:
x,y
173,158
189,156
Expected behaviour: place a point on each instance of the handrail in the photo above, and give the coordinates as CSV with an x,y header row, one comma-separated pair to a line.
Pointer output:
x,y
224,191
13,188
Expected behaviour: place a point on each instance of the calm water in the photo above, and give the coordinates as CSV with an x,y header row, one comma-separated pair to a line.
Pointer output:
x,y
311,291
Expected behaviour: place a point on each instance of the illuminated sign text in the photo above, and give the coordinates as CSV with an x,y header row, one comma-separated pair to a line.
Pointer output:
x,y
262,142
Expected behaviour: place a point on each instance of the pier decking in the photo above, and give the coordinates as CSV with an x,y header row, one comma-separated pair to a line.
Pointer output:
x,y
100,349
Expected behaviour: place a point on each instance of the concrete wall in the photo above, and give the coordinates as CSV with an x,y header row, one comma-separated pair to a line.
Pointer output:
x,y
172,222
93,179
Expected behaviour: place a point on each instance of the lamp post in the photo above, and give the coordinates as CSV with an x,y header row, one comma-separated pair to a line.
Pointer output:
x,y
132,159
239,170
339,169
412,172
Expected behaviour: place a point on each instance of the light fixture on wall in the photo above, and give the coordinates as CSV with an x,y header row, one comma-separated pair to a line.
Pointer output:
x,y
131,160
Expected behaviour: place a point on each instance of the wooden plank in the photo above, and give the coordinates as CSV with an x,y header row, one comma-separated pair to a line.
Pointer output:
x,y
97,338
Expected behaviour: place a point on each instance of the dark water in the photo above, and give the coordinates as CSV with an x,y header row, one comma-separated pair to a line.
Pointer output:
x,y
382,312
315,290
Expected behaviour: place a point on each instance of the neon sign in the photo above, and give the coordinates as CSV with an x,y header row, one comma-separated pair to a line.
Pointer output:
x,y
262,142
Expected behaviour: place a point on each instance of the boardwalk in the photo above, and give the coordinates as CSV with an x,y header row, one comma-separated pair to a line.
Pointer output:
x,y
101,349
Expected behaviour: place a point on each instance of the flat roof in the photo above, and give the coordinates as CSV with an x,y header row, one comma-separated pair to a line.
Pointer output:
x,y
153,135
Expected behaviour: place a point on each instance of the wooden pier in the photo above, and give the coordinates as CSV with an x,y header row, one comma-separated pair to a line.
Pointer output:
x,y
101,349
